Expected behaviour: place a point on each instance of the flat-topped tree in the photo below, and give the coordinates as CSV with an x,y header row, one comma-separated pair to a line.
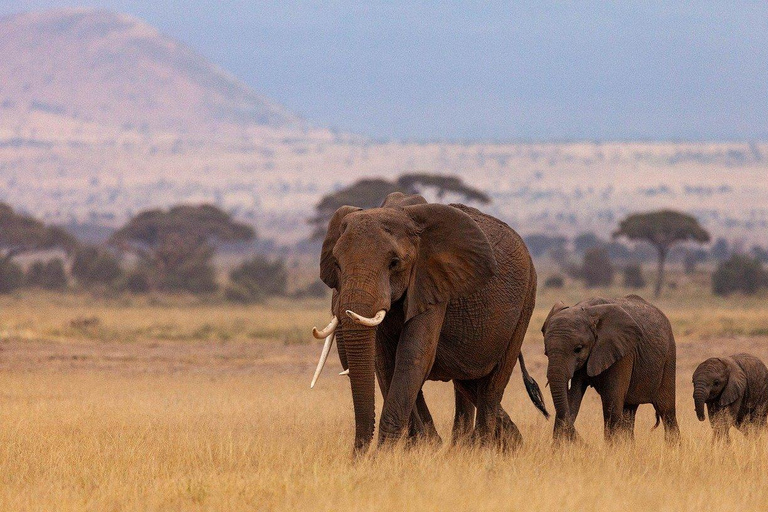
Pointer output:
x,y
175,244
662,229
21,233
370,192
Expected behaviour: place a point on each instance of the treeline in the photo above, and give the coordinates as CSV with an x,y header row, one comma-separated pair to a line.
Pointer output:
x,y
157,250
604,262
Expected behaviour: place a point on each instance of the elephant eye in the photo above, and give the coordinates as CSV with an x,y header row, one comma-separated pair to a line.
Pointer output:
x,y
393,264
716,383
578,349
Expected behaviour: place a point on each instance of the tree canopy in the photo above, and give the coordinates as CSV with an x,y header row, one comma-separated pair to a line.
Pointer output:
x,y
21,233
199,223
174,246
370,192
662,229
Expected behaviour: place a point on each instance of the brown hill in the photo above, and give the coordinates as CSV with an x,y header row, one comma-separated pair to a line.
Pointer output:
x,y
113,69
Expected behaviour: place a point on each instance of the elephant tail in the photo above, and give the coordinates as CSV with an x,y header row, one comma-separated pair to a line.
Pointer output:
x,y
532,387
658,421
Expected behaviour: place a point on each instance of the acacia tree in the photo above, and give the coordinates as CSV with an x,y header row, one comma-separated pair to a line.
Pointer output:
x,y
370,192
174,246
21,233
662,229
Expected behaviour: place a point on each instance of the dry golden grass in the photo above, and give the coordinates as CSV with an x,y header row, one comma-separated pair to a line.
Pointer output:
x,y
139,435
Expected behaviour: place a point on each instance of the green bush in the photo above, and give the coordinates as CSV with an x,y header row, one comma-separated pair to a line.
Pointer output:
x,y
597,269
92,265
739,273
259,277
633,276
555,281
49,275
242,294
11,276
316,289
136,281
186,266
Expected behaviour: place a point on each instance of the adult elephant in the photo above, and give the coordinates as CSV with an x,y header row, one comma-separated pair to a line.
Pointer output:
x,y
427,291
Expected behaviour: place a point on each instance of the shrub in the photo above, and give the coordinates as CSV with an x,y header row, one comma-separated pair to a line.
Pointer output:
x,y
136,281
693,258
597,269
261,276
49,275
739,273
186,265
243,294
316,289
11,276
92,265
633,276
555,281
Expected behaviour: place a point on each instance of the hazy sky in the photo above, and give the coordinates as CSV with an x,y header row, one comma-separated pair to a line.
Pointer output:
x,y
464,70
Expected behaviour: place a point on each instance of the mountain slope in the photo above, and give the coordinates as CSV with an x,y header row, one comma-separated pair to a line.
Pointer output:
x,y
109,68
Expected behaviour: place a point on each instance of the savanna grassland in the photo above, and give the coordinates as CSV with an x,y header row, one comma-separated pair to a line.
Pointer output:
x,y
177,404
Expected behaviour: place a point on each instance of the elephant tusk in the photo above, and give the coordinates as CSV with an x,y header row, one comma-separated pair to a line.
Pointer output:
x,y
323,358
329,329
345,372
368,322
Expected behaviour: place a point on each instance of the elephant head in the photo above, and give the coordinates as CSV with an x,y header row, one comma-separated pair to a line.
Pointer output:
x,y
719,380
407,254
583,338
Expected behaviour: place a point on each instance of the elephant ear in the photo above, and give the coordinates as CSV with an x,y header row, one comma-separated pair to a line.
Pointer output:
x,y
616,334
398,199
737,382
327,261
558,307
454,260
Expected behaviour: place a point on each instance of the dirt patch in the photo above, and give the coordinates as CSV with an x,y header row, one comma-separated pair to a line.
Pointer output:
x,y
29,355
261,357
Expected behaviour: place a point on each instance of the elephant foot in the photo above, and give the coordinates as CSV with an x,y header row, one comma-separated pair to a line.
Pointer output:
x,y
566,435
508,437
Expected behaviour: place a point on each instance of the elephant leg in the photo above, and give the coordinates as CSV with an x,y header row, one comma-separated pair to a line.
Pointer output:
x,y
576,393
422,413
414,359
628,420
386,349
507,432
668,415
613,392
665,403
720,430
464,417
491,391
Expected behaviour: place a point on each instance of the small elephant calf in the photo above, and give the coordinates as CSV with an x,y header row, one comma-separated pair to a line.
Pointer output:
x,y
735,390
622,347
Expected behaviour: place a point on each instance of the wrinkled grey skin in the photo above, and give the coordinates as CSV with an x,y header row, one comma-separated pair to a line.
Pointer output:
x,y
622,347
735,391
459,288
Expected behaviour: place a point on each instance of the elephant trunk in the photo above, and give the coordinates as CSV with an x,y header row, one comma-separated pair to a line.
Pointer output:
x,y
558,384
700,394
358,342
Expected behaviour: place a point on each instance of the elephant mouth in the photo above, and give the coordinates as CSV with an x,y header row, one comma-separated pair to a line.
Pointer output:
x,y
329,333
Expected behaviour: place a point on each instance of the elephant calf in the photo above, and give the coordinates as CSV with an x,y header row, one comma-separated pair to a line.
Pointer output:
x,y
622,347
735,390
